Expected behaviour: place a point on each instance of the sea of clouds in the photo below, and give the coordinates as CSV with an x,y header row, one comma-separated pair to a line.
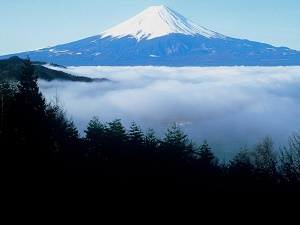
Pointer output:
x,y
230,107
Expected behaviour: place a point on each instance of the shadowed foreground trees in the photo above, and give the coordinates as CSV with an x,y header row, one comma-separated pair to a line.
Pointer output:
x,y
26,131
39,142
289,158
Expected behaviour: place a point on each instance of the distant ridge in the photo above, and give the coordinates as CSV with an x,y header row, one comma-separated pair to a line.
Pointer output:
x,y
11,69
160,36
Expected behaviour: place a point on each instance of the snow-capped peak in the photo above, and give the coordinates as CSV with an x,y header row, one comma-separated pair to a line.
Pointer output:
x,y
157,21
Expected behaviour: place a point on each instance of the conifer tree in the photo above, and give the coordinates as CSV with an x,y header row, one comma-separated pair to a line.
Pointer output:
x,y
135,138
27,133
206,157
95,129
265,159
115,139
115,134
95,139
241,164
8,88
290,160
207,164
64,133
151,141
241,169
176,144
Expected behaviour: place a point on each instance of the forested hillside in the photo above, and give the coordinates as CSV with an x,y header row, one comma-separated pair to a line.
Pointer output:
x,y
11,68
41,147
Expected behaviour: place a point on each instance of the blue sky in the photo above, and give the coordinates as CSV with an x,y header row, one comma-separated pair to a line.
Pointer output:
x,y
31,24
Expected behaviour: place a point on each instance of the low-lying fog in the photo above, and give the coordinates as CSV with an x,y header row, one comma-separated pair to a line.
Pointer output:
x,y
230,107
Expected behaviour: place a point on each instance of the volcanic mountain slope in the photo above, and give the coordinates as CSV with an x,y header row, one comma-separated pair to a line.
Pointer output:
x,y
162,37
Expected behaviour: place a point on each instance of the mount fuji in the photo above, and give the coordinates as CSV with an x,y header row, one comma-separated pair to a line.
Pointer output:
x,y
159,36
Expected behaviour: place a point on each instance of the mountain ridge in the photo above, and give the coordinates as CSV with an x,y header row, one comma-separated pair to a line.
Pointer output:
x,y
11,68
159,36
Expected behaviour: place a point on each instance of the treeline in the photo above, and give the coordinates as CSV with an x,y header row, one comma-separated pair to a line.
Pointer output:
x,y
41,145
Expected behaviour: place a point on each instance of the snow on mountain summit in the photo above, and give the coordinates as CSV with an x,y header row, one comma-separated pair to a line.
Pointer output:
x,y
157,21
159,36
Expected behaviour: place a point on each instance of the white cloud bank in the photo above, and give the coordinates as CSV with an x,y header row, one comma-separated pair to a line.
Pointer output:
x,y
228,106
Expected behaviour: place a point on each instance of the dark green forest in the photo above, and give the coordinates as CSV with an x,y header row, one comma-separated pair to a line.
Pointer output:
x,y
42,150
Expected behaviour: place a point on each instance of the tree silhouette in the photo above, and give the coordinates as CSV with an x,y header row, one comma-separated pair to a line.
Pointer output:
x,y
28,131
241,171
95,139
8,87
115,136
175,153
176,144
206,157
64,135
115,145
265,159
135,138
150,141
290,159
